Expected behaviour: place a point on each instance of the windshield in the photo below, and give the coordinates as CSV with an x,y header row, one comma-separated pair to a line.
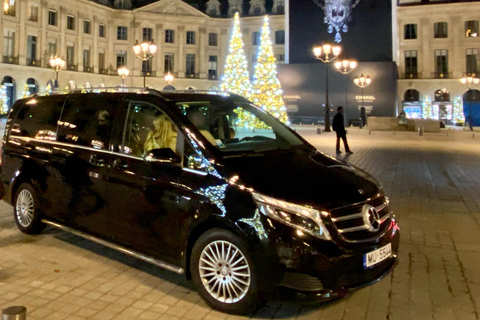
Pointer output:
x,y
238,126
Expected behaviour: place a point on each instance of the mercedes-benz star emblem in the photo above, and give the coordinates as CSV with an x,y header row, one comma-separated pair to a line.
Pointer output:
x,y
371,219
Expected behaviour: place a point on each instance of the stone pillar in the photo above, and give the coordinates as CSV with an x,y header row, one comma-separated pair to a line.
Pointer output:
x,y
111,54
224,45
426,57
94,49
203,48
456,58
158,57
181,51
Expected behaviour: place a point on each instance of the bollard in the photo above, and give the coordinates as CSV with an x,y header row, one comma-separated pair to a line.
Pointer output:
x,y
14,313
473,135
319,130
370,132
420,131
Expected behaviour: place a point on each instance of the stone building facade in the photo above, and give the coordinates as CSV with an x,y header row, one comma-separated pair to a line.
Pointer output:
x,y
438,44
95,40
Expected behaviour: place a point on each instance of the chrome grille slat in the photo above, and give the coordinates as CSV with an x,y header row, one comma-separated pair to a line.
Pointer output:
x,y
349,220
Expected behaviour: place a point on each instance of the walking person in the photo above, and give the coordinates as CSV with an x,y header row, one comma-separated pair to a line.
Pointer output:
x,y
339,127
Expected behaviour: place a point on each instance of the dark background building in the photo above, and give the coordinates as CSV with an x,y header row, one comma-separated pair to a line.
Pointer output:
x,y
368,40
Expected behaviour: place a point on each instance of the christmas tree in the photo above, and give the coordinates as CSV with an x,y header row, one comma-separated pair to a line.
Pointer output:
x,y
26,91
427,108
458,117
266,91
236,78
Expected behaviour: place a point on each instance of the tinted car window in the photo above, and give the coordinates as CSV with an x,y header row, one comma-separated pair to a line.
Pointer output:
x,y
87,120
38,118
147,128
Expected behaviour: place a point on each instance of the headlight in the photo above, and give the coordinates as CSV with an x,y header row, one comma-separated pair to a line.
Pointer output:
x,y
303,218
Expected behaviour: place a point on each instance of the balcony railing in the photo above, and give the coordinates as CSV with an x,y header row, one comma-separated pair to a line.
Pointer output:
x,y
192,75
441,75
72,67
10,59
212,77
34,62
88,69
149,73
411,75
103,71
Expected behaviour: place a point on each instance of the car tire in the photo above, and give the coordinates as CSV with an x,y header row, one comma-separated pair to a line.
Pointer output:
x,y
26,209
223,272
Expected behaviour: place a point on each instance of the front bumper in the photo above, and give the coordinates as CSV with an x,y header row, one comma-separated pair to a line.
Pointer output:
x,y
315,270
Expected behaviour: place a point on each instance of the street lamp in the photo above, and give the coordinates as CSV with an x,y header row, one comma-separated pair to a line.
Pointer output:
x,y
168,78
470,81
345,67
123,72
362,82
327,53
58,64
144,51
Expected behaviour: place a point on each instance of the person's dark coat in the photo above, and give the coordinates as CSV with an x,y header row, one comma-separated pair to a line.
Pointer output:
x,y
338,124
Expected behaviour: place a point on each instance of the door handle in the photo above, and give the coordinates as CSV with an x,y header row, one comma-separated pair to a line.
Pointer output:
x,y
120,164
96,161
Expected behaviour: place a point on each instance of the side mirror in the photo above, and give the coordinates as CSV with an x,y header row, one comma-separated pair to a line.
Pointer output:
x,y
165,155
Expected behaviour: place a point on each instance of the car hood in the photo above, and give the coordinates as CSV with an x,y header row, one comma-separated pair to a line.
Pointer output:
x,y
302,177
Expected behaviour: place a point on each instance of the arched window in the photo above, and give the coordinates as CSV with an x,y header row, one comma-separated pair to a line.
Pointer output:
x,y
442,95
32,86
8,94
411,95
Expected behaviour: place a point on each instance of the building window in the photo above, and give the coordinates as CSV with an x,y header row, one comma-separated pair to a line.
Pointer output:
x,y
169,36
212,39
122,33
410,31
190,66
212,67
31,50
8,44
101,61
121,58
255,38
32,13
411,64
472,61
441,63
280,37
86,60
190,37
52,17
168,62
147,34
101,31
440,30
147,66
280,58
9,7
86,26
70,22
70,57
52,48
471,28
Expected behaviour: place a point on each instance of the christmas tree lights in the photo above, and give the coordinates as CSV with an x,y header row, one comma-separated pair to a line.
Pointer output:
x,y
458,117
266,91
236,78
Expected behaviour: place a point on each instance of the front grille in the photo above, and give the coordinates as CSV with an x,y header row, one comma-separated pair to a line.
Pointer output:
x,y
354,225
301,282
362,277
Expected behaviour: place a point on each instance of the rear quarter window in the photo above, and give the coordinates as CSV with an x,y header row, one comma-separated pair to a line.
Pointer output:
x,y
38,117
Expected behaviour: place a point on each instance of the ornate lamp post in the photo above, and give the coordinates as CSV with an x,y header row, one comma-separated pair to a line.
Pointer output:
x,y
144,51
345,67
123,72
362,82
57,64
470,81
327,53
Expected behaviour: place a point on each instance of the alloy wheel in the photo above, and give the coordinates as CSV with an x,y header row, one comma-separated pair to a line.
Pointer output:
x,y
25,208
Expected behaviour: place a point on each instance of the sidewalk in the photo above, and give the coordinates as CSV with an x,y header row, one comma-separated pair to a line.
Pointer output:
x,y
434,185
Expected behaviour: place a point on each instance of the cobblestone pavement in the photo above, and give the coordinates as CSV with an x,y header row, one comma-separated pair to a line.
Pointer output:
x,y
434,184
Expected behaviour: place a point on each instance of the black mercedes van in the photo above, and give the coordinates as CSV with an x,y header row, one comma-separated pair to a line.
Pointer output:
x,y
246,209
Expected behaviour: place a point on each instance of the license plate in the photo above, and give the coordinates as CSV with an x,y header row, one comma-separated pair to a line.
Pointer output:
x,y
376,256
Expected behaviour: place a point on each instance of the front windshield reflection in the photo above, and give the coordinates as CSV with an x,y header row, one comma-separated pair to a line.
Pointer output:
x,y
238,127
